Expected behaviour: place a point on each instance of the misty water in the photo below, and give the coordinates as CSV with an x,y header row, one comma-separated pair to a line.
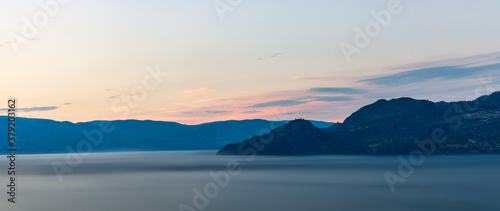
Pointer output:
x,y
152,181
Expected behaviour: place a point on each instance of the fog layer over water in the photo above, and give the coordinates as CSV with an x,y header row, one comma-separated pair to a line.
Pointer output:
x,y
152,181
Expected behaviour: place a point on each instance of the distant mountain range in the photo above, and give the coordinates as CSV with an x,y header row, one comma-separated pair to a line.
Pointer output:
x,y
397,126
48,136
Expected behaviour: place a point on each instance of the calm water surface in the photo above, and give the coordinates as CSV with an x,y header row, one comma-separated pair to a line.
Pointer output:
x,y
154,181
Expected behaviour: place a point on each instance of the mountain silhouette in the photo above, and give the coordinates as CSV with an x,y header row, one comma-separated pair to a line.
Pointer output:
x,y
397,126
294,138
42,136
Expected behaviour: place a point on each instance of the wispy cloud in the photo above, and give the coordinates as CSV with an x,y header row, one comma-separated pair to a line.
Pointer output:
x,y
337,90
135,94
425,74
301,100
31,109
272,56
251,112
475,60
275,55
217,112
333,98
301,112
281,103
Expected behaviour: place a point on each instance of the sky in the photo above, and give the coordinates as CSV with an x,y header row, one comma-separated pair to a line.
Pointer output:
x,y
200,61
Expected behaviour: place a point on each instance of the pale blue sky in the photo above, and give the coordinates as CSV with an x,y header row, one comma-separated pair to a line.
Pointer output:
x,y
263,53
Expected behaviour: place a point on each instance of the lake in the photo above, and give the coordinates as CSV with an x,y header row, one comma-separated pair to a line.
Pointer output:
x,y
200,180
